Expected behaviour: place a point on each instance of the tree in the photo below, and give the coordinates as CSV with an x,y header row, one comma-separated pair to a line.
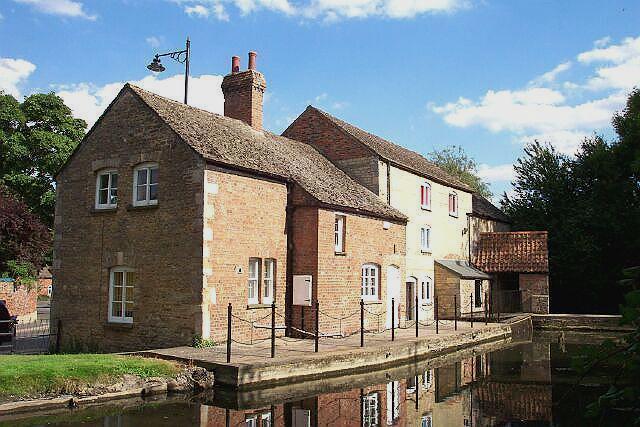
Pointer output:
x,y
590,205
24,240
36,138
455,161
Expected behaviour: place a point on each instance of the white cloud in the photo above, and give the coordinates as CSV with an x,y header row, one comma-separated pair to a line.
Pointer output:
x,y
154,41
88,101
602,42
496,173
14,72
562,114
68,8
327,10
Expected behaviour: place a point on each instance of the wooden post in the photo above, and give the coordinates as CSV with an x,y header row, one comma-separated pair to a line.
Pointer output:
x,y
229,313
273,329
393,319
417,315
317,326
436,313
361,323
455,312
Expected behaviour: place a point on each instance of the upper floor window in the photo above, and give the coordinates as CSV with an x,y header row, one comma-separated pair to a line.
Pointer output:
x,y
425,239
425,195
145,184
121,285
107,189
370,282
453,204
339,233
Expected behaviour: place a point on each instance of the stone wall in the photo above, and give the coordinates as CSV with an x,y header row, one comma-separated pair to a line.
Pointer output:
x,y
163,242
534,290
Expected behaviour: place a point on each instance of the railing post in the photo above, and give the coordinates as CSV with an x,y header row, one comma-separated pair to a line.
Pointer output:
x,y
417,312
361,323
472,310
393,319
498,305
317,326
455,312
229,314
436,313
302,319
273,329
58,334
486,305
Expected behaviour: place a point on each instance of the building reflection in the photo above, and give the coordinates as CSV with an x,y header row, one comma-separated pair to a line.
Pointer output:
x,y
495,389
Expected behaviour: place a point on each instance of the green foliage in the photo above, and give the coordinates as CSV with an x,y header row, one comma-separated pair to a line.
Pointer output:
x,y
23,376
37,136
590,205
199,342
23,272
456,162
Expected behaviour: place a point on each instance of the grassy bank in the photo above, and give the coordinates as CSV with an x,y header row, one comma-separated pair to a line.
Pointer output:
x,y
27,376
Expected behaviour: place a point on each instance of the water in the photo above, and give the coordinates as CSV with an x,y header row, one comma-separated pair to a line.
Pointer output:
x,y
527,384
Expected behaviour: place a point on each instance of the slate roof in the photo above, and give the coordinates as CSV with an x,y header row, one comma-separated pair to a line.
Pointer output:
x,y
396,154
231,142
462,268
483,208
512,252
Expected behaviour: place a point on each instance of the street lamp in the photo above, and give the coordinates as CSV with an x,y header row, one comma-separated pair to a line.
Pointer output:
x,y
181,56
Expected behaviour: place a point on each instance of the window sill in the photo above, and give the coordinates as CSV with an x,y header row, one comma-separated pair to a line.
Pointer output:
x,y
142,207
340,253
426,304
372,302
95,210
119,325
425,252
426,208
453,215
258,306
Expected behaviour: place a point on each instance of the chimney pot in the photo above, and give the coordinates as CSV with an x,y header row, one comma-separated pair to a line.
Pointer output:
x,y
252,60
235,64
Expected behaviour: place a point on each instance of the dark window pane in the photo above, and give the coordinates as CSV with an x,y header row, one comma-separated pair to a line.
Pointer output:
x,y
154,176
141,193
142,176
104,181
153,192
114,180
102,196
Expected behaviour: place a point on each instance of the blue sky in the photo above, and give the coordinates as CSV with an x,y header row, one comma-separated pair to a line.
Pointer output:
x,y
488,75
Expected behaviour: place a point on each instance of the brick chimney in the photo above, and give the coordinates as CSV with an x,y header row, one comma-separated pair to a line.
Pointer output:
x,y
243,92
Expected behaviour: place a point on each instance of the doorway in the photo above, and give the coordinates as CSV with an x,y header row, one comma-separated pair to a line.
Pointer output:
x,y
393,293
411,293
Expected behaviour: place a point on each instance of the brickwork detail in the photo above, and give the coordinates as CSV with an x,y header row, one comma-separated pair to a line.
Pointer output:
x,y
20,300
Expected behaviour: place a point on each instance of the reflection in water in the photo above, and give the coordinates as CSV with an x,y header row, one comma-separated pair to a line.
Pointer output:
x,y
522,385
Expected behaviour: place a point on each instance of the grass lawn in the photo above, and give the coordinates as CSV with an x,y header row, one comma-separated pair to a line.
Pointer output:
x,y
24,376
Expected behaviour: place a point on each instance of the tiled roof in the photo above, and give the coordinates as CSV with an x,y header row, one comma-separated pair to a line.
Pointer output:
x,y
231,142
485,209
514,252
396,153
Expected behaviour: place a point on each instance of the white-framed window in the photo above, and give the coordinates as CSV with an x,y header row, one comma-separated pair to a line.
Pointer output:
x,y
370,282
425,195
425,239
122,282
427,420
339,233
412,385
107,189
393,402
427,379
453,204
426,289
268,281
145,184
253,282
370,410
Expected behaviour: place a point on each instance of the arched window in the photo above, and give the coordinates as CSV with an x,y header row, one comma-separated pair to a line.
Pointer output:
x,y
425,239
145,184
426,290
122,282
107,189
453,204
370,282
425,195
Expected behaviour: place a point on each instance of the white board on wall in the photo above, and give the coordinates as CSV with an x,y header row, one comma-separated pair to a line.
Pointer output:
x,y
302,287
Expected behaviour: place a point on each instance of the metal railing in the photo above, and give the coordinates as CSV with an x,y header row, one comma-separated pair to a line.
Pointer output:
x,y
31,337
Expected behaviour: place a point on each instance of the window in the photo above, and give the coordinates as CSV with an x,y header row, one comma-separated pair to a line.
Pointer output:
x,y
425,196
268,281
370,410
425,239
339,234
453,204
477,298
393,402
145,185
107,189
426,290
427,421
370,282
412,385
427,379
254,280
122,282
258,420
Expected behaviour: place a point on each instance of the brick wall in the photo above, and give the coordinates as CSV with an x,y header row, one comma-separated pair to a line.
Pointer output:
x,y
243,93
163,243
244,217
534,290
43,286
20,301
